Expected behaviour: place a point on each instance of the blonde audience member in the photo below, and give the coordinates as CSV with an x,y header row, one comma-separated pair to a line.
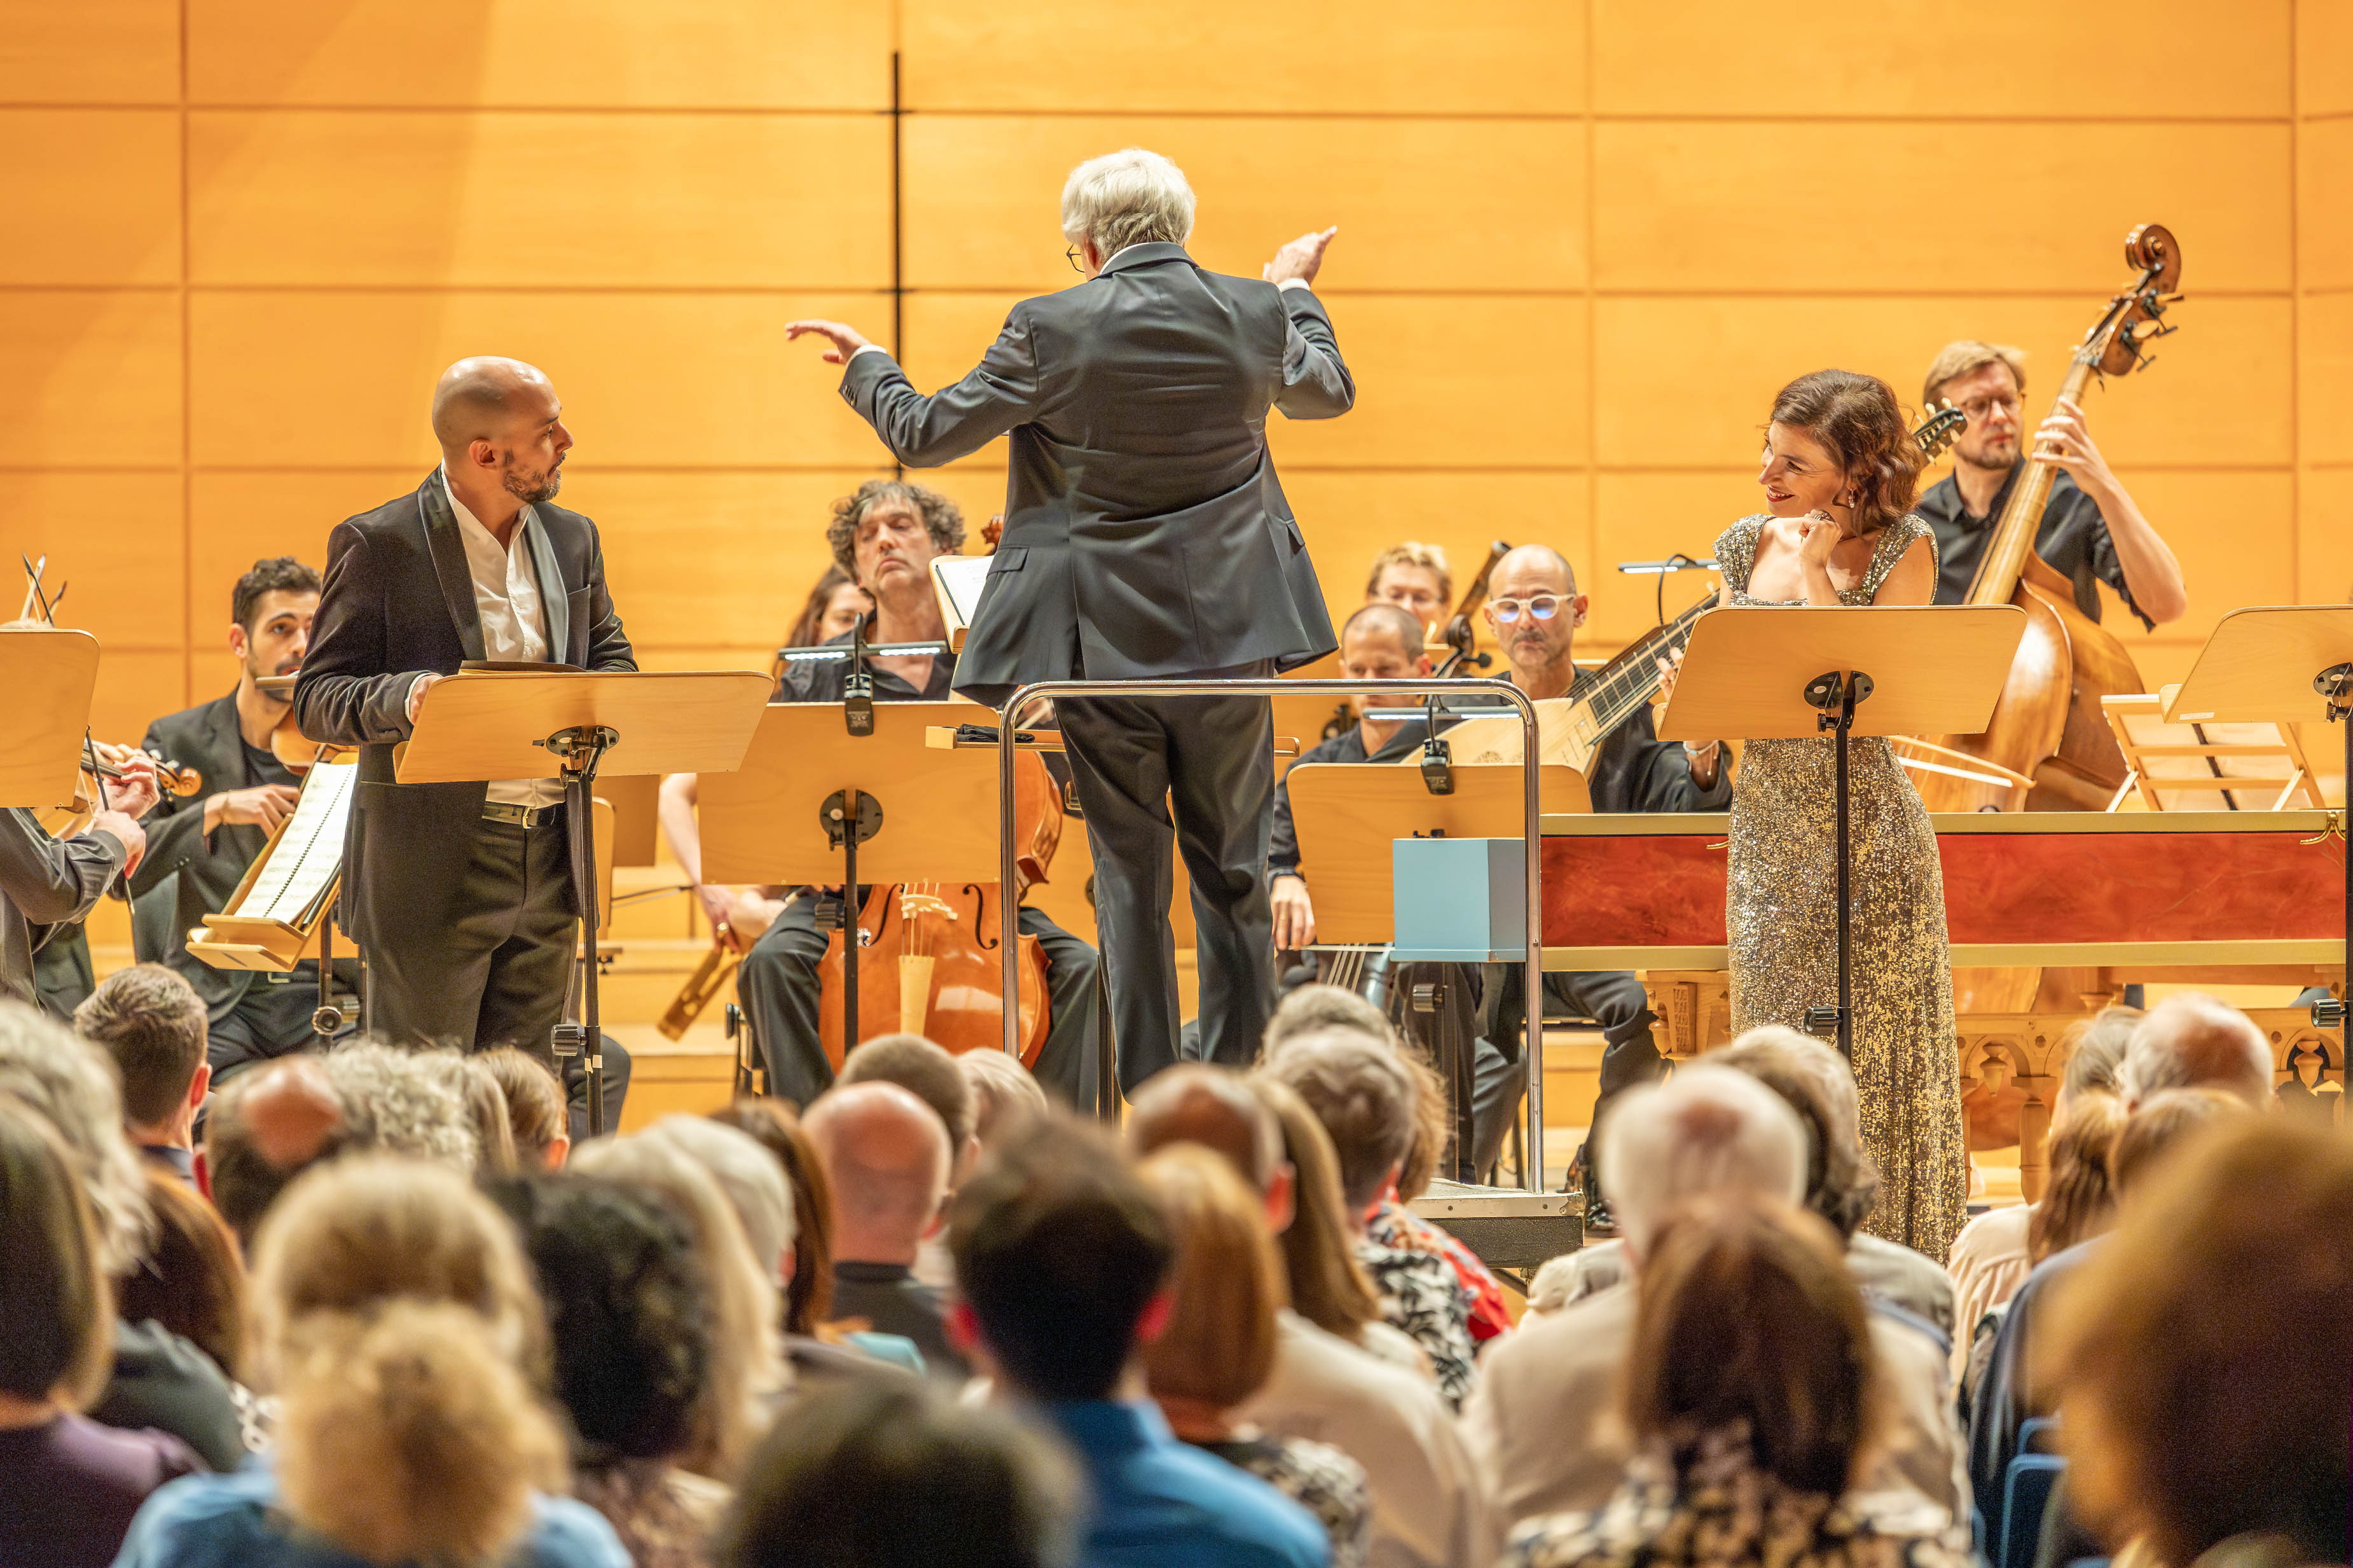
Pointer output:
x,y
1749,1396
809,1289
68,1486
1006,1099
2204,1357
749,1175
396,1319
1219,1342
537,1119
748,1375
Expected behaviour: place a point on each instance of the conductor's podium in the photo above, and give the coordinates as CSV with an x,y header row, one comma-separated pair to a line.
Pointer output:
x,y
2051,914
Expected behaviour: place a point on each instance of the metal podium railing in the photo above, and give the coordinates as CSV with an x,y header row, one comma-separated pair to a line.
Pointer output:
x,y
1532,1169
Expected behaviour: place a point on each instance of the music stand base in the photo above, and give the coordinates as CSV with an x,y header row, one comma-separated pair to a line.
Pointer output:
x,y
581,748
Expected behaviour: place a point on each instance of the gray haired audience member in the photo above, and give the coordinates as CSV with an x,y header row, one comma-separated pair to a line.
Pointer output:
x,y
2192,1040
267,1126
1543,1420
153,1025
1006,1099
754,1184
406,1102
883,1474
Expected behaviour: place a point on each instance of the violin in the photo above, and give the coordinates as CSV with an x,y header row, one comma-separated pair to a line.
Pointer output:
x,y
295,752
930,955
2049,734
102,764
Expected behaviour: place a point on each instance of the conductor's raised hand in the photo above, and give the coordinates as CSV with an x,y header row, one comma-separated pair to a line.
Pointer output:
x,y
1302,258
846,340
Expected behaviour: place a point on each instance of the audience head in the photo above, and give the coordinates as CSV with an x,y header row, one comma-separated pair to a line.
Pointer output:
x,y
486,1110
887,1159
1709,1129
1215,1108
2187,1041
749,1175
628,1318
877,1473
808,1291
2158,1127
358,1232
407,1102
266,1127
69,1083
2096,1048
932,1075
154,1026
1225,1287
405,1434
538,1120
55,1302
1124,198
1328,1286
1364,1096
1815,1082
1310,1009
2203,1356
2079,1196
190,1278
747,1365
1005,1098
1061,1254
1750,1321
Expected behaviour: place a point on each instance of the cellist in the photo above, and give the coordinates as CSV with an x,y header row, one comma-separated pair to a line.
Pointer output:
x,y
885,536
2092,531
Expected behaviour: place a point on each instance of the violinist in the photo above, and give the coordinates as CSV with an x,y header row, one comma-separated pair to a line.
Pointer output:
x,y
2092,531
208,839
885,537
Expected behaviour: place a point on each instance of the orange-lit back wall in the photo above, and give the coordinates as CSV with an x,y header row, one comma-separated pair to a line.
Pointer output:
x,y
1581,241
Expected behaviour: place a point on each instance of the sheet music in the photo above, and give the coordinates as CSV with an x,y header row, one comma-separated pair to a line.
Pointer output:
x,y
295,879
961,578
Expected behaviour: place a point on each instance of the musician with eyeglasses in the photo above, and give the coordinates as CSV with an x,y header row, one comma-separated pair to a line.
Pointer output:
x,y
2092,531
1533,609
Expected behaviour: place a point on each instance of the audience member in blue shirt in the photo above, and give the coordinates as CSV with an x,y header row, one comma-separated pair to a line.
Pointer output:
x,y
1062,1256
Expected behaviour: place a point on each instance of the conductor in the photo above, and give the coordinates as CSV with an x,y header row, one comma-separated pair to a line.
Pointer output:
x,y
1146,536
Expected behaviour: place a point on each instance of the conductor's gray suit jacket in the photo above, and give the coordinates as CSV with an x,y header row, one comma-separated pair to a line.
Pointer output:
x,y
1145,533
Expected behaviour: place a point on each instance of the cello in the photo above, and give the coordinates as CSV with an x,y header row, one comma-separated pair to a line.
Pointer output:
x,y
930,953
2048,734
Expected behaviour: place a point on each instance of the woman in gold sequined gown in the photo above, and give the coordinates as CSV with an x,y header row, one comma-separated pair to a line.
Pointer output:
x,y
1840,472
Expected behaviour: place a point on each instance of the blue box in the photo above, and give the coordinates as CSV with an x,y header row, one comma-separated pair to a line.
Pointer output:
x,y
1460,901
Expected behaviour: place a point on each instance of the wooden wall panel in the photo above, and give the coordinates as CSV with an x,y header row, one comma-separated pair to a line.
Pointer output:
x,y
2003,59
136,686
983,196
1711,205
2324,365
662,380
89,378
533,201
2219,390
2324,55
92,195
1350,517
2324,560
113,541
693,54
1242,57
2324,234
90,51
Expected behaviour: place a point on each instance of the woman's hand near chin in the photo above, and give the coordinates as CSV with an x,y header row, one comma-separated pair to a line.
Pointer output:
x,y
1818,536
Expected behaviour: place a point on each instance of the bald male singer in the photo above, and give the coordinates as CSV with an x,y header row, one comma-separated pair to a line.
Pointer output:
x,y
462,893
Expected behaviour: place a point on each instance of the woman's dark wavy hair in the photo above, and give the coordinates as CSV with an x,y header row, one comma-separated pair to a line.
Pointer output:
x,y
1858,420
941,519
628,1312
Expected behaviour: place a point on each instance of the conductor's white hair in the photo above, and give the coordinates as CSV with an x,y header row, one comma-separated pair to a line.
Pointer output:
x,y
1710,1129
1128,197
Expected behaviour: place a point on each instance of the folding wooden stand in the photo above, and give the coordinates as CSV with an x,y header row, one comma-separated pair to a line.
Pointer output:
x,y
483,726
49,677
2281,664
1771,672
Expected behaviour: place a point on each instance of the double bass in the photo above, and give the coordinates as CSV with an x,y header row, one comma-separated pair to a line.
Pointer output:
x,y
2049,735
930,955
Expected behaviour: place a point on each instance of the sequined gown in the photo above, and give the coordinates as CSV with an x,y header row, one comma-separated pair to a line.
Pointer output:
x,y
1780,913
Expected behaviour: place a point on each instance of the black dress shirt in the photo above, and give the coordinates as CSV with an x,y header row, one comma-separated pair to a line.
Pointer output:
x,y
822,679
2073,542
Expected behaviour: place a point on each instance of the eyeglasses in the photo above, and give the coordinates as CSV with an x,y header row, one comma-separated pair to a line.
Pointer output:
x,y
1078,262
1977,408
1544,608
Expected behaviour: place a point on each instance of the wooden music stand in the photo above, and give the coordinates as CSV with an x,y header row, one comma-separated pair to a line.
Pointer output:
x,y
50,677
1771,672
568,725
2253,767
2281,663
814,804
